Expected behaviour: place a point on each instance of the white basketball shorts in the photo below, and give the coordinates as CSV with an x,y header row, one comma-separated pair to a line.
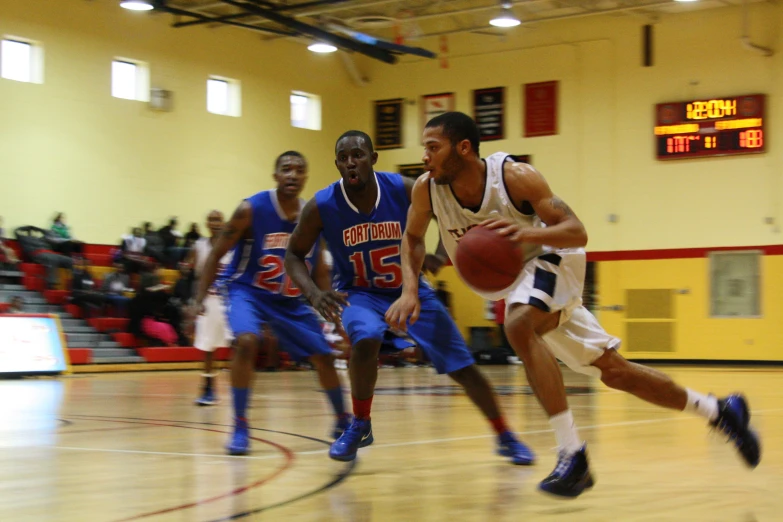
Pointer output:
x,y
553,282
212,329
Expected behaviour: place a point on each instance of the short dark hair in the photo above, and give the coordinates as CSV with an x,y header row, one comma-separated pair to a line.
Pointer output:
x,y
457,126
293,153
355,134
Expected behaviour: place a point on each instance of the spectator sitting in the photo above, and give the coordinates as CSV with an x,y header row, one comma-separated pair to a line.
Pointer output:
x,y
133,248
83,291
160,306
114,287
192,236
183,288
171,237
16,305
7,254
36,248
155,246
61,237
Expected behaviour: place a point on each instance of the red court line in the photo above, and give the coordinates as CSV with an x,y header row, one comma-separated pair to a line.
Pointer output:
x,y
289,456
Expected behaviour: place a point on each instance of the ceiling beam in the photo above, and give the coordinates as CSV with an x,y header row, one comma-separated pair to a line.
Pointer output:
x,y
315,32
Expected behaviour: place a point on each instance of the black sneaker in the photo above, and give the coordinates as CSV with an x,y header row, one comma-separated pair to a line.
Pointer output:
x,y
570,477
734,420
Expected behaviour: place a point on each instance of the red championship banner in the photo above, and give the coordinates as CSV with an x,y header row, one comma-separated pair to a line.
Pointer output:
x,y
540,118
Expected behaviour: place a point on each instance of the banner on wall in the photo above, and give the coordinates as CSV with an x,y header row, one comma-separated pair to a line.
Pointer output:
x,y
488,111
388,124
412,170
540,118
31,344
434,105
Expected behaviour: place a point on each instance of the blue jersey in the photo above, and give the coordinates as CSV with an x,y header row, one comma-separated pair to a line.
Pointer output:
x,y
258,262
366,248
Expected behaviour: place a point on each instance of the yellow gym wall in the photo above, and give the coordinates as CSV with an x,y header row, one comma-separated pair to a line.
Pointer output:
x,y
603,160
109,164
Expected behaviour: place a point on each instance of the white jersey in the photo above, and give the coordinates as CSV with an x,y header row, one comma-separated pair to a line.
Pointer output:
x,y
203,248
454,219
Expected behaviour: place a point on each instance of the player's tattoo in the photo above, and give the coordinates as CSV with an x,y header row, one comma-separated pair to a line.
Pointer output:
x,y
559,204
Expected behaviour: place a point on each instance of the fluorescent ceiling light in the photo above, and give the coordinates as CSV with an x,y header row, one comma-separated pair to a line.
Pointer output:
x,y
320,47
136,5
506,19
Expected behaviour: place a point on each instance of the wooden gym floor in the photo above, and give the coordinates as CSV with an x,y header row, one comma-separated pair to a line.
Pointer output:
x,y
134,447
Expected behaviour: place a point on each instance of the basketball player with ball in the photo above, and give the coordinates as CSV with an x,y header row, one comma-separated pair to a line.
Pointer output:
x,y
511,238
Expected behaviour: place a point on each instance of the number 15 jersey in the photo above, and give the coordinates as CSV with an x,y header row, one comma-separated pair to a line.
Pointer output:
x,y
366,247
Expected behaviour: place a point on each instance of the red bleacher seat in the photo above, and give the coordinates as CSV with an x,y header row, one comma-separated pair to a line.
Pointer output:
x,y
34,283
108,324
56,297
31,269
4,308
125,339
99,259
80,355
180,354
74,310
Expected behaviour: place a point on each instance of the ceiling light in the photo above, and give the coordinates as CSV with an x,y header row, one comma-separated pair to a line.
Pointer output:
x,y
136,5
321,47
506,19
686,0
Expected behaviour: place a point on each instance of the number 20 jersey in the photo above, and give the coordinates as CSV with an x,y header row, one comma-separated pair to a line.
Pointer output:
x,y
258,262
366,248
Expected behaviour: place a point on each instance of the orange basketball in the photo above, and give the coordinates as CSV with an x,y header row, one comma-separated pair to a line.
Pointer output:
x,y
488,261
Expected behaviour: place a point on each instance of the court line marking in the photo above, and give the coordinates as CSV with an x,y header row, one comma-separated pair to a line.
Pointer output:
x,y
169,453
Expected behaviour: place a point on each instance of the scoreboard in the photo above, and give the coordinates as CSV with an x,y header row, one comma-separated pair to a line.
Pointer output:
x,y
710,127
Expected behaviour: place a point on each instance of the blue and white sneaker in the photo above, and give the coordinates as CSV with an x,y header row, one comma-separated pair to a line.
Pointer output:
x,y
358,435
342,424
734,420
207,399
510,446
570,477
240,440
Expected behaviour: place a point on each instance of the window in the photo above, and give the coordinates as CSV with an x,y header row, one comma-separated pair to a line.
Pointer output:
x,y
735,283
21,60
130,80
224,96
305,110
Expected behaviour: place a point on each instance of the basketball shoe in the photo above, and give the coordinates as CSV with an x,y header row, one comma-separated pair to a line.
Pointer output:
x,y
342,424
207,399
734,420
570,477
510,446
358,435
240,440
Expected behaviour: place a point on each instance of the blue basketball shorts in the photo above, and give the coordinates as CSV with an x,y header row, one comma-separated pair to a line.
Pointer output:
x,y
435,332
294,322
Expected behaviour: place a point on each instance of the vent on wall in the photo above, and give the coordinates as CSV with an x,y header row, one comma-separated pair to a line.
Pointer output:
x,y
649,325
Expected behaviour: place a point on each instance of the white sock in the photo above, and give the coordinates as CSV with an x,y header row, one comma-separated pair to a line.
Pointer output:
x,y
704,405
565,432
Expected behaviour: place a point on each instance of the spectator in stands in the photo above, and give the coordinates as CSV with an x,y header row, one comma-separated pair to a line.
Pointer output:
x,y
183,288
84,292
36,248
114,287
133,248
192,236
16,305
7,254
155,247
160,306
61,238
171,238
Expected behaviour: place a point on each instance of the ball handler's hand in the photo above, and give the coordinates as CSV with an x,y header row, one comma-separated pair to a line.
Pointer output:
x,y
191,314
330,304
504,227
407,306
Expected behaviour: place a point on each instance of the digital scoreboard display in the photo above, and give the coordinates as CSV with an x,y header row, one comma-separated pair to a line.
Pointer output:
x,y
710,127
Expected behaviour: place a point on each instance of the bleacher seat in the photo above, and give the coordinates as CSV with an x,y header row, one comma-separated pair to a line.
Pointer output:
x,y
80,355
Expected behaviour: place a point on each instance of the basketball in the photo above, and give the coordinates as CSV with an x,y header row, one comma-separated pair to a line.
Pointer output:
x,y
488,261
